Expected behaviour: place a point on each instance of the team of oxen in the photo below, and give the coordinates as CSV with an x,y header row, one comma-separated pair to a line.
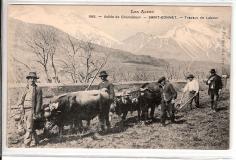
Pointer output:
x,y
72,108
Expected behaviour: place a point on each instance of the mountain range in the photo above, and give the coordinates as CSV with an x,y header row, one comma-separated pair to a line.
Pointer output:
x,y
191,41
136,55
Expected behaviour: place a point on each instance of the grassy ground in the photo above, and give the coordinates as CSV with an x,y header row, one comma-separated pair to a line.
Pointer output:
x,y
200,128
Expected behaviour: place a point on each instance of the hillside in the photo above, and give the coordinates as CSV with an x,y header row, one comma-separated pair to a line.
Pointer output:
x,y
21,57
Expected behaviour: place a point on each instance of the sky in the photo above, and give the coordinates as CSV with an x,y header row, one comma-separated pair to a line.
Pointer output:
x,y
74,18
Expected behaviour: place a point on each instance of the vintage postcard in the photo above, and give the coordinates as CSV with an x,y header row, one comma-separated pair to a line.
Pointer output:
x,y
118,77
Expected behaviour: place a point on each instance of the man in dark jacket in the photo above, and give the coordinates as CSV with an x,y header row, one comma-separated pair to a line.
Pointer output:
x,y
106,108
168,100
30,103
215,86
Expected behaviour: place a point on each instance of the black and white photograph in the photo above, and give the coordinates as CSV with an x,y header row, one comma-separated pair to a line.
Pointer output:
x,y
118,76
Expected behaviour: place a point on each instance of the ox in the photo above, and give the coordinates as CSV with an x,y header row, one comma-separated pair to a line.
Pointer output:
x,y
82,105
149,97
124,104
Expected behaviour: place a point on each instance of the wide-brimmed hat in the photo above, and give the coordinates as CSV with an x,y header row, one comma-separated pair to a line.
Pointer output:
x,y
190,76
32,75
161,79
212,71
103,74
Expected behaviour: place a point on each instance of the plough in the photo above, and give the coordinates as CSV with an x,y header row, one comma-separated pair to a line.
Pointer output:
x,y
179,106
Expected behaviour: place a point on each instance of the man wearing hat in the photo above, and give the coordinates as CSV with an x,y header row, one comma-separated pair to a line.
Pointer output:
x,y
215,86
192,88
168,100
110,87
30,103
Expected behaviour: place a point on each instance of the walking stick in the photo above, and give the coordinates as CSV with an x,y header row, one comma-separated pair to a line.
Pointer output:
x,y
94,77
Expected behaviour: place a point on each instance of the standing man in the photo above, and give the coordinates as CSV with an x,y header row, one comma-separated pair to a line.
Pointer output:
x,y
168,100
106,108
215,86
192,87
30,103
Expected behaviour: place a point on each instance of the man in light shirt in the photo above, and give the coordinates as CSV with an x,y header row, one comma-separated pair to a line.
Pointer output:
x,y
30,104
192,88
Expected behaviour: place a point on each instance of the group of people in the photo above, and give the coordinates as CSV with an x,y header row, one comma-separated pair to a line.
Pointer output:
x,y
191,88
214,83
31,100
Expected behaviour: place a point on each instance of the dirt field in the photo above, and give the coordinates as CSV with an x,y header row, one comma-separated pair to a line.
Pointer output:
x,y
200,128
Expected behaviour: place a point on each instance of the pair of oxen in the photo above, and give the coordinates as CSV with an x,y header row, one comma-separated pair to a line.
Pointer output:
x,y
72,108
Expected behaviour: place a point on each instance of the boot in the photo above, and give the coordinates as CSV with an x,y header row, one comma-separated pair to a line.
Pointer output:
x,y
190,106
153,119
197,106
173,119
96,136
108,127
215,107
163,124
26,146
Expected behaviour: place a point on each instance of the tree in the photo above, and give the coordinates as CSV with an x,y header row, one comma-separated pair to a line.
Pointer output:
x,y
140,76
43,44
52,53
170,71
90,63
20,62
81,62
71,62
18,72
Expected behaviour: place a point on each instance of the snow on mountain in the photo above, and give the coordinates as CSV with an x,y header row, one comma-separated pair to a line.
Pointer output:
x,y
137,41
191,41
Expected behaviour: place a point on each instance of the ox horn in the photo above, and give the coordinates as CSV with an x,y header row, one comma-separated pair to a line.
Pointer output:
x,y
143,89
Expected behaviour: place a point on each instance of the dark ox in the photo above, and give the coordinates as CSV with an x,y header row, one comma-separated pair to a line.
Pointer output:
x,y
149,97
77,106
124,104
